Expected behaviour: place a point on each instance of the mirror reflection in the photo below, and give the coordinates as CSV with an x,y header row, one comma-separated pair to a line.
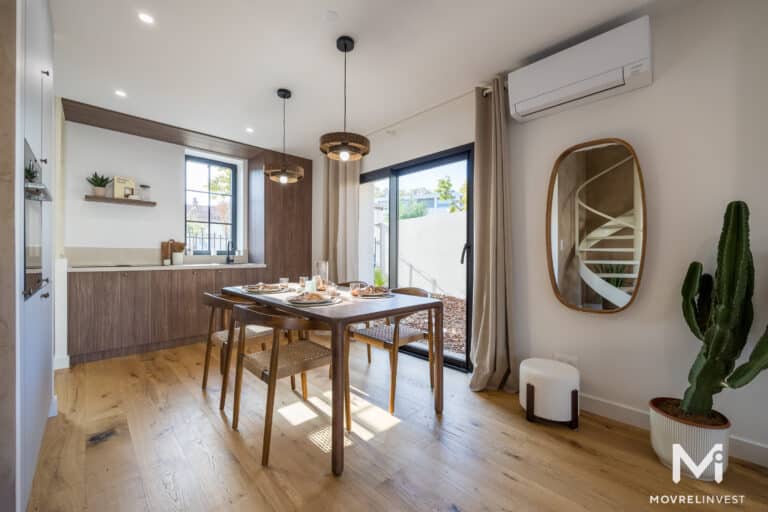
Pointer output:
x,y
596,220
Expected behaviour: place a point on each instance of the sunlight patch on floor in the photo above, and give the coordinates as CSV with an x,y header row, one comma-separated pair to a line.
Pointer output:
x,y
297,413
322,439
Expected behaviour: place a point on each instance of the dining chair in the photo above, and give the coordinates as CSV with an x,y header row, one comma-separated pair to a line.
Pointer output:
x,y
297,357
391,336
223,305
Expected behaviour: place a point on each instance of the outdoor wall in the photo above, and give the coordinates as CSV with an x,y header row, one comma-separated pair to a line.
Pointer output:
x,y
699,131
418,241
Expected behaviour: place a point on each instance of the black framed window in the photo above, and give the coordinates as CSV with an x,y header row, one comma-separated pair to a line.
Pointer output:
x,y
211,205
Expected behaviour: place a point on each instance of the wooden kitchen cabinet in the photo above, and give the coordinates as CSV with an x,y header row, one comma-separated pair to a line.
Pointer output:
x,y
124,312
133,308
108,311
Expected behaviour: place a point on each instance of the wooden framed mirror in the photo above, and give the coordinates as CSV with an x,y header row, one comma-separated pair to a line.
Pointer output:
x,y
596,226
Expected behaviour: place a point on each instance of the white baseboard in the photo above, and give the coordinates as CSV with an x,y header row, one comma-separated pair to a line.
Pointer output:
x,y
746,449
60,362
53,409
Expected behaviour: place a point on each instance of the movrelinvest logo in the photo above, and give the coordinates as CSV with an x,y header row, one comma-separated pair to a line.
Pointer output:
x,y
715,456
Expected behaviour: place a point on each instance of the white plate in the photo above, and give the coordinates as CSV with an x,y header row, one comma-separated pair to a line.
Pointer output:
x,y
329,302
256,291
384,296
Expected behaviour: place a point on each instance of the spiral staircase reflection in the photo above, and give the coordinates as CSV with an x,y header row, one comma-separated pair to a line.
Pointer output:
x,y
607,255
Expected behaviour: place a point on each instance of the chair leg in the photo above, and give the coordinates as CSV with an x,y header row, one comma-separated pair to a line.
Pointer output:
x,y
293,377
227,361
369,353
268,422
431,363
304,393
347,394
238,390
208,347
393,378
431,346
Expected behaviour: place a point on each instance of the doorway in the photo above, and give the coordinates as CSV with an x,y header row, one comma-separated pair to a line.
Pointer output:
x,y
421,214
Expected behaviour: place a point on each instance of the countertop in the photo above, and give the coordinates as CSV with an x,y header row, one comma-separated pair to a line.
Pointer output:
x,y
186,266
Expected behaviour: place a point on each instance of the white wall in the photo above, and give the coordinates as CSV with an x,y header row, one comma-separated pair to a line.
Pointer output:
x,y
159,164
699,131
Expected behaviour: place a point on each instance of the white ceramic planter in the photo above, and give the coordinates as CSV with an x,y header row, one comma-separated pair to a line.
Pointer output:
x,y
697,440
99,191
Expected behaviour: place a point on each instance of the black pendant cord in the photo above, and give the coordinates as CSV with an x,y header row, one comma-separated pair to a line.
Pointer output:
x,y
284,134
345,91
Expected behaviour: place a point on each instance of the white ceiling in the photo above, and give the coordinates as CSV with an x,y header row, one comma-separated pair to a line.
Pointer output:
x,y
214,66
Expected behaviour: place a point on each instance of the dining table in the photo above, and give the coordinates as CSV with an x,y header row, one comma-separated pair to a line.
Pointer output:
x,y
339,317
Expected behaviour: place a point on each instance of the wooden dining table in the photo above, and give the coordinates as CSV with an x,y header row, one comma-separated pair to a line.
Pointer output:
x,y
339,317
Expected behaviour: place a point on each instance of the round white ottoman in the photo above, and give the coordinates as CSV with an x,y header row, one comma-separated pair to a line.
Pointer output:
x,y
552,390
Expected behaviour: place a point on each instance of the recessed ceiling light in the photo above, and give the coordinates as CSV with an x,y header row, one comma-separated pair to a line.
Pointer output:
x,y
147,18
249,129
121,93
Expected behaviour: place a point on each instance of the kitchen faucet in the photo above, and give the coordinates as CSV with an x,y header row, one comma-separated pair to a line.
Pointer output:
x,y
230,252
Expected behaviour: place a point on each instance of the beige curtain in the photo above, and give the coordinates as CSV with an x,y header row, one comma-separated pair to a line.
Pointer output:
x,y
342,201
491,311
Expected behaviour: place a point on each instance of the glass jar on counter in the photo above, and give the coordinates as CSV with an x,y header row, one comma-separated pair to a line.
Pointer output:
x,y
145,192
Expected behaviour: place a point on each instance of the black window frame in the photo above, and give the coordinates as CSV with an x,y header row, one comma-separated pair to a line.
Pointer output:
x,y
233,225
465,152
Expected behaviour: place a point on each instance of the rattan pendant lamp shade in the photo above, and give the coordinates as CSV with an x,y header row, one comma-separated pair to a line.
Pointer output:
x,y
282,172
344,145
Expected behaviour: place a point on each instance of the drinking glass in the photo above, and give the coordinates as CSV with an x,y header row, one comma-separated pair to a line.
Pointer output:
x,y
321,269
284,280
353,288
318,280
331,290
302,281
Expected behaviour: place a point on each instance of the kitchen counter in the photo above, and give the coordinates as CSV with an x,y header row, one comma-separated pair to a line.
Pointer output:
x,y
186,266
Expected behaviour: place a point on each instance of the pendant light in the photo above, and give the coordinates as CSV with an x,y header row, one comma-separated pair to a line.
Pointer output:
x,y
284,172
345,146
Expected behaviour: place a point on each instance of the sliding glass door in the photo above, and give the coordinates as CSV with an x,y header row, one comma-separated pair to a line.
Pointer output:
x,y
420,215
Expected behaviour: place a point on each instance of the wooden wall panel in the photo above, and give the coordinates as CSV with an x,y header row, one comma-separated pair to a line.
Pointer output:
x,y
9,291
288,224
92,115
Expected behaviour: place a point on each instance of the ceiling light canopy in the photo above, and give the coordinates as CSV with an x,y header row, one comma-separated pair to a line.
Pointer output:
x,y
283,172
121,93
345,146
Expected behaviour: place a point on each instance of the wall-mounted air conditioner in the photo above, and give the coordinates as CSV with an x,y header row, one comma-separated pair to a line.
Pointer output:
x,y
612,63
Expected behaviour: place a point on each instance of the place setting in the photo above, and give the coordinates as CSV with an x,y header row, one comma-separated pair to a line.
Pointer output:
x,y
369,292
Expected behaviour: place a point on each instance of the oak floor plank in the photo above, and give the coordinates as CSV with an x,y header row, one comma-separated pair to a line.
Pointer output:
x,y
139,433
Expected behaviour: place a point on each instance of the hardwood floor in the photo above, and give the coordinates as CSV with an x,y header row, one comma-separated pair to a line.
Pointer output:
x,y
137,433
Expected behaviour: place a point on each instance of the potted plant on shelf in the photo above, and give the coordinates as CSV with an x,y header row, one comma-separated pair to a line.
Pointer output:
x,y
99,184
30,173
719,312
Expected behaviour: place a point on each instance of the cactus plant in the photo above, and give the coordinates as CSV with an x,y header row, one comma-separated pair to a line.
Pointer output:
x,y
719,312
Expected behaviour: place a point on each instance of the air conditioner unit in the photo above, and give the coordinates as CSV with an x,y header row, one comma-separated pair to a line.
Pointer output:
x,y
612,63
